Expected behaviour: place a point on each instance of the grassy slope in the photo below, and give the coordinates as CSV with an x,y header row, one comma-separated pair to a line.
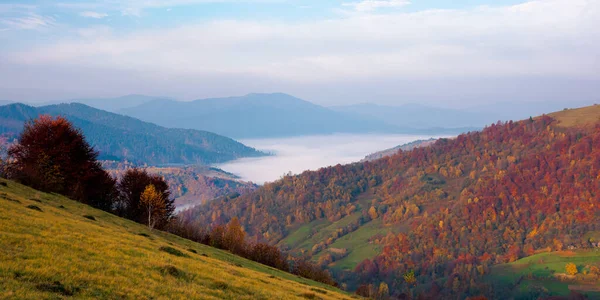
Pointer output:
x,y
58,252
578,117
357,242
543,267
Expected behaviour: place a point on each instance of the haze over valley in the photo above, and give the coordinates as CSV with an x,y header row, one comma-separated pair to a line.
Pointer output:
x,y
298,154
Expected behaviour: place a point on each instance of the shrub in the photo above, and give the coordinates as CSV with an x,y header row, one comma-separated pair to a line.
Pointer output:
x,y
173,271
34,207
173,251
90,217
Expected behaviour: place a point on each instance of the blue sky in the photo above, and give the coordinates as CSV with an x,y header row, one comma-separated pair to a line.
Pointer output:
x,y
332,52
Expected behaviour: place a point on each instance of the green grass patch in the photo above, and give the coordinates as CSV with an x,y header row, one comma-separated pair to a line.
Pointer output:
x,y
538,272
358,245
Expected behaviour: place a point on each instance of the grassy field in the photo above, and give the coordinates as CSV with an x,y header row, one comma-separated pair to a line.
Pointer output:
x,y
584,116
52,248
357,242
540,272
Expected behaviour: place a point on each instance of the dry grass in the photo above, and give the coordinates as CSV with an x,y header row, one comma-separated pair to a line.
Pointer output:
x,y
56,253
578,117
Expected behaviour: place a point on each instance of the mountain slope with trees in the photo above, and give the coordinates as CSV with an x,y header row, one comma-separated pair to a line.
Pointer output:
x,y
448,212
118,137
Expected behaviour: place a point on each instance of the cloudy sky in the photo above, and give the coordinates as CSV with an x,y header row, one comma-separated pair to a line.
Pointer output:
x,y
452,53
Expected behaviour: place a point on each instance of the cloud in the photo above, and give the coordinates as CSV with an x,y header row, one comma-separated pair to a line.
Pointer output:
x,y
368,53
371,5
136,8
28,21
93,14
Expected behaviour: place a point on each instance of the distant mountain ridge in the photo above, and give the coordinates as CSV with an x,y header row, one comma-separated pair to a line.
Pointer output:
x,y
255,115
119,137
110,104
394,150
418,116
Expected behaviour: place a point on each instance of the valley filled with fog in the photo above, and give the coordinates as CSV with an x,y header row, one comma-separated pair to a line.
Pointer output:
x,y
298,154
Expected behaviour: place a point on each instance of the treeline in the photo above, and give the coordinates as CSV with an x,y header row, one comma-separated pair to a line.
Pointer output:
x,y
53,156
459,206
232,237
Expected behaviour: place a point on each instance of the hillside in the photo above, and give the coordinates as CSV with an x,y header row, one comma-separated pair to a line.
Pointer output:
x,y
578,117
449,211
52,247
190,185
255,115
404,147
118,137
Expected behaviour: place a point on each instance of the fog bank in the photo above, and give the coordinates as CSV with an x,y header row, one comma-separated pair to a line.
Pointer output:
x,y
297,154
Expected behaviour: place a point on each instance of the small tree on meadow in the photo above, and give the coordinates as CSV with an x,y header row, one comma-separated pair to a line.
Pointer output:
x,y
131,187
571,269
154,204
233,237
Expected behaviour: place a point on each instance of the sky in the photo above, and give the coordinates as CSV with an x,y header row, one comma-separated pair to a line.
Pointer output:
x,y
446,53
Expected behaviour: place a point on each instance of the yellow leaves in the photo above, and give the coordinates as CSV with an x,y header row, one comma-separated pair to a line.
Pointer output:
x,y
441,224
511,159
410,278
533,233
473,174
571,269
373,213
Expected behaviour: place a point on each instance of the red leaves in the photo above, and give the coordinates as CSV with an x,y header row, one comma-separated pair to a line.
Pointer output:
x,y
53,156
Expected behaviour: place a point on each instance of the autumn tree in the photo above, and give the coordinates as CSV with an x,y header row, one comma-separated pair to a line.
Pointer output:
x,y
410,278
571,269
154,204
53,156
131,187
383,292
233,237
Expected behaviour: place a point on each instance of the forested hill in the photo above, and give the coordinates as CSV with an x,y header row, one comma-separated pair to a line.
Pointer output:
x,y
118,137
448,212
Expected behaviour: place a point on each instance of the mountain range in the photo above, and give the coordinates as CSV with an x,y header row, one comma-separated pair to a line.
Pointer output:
x,y
281,115
271,115
119,137
254,116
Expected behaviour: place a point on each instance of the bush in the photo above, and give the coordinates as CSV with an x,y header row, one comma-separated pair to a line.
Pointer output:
x,y
173,251
34,207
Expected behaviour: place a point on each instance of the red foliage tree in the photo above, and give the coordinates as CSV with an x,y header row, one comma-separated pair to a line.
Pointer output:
x,y
53,156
